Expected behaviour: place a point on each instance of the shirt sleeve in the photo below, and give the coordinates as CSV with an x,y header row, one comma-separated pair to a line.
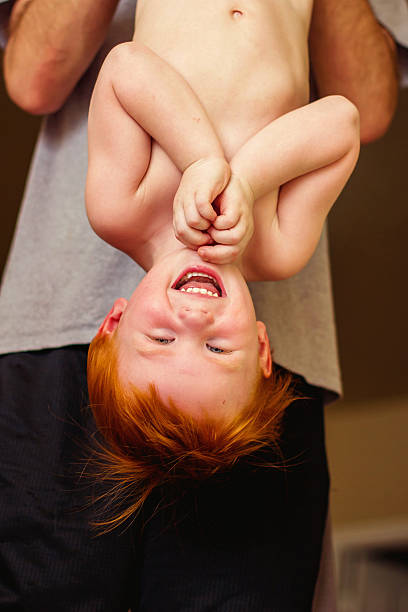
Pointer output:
x,y
393,14
5,10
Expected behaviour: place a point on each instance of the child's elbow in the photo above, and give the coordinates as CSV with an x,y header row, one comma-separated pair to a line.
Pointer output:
x,y
369,125
286,270
99,214
348,127
349,117
281,265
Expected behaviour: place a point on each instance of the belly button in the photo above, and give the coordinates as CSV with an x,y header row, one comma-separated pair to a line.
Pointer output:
x,y
236,13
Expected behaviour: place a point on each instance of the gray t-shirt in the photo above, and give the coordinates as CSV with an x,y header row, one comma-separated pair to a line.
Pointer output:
x,y
61,279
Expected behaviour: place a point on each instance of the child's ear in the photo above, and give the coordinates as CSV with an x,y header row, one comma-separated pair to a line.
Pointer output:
x,y
265,357
112,319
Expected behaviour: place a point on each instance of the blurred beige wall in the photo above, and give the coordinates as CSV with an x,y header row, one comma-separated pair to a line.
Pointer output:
x,y
367,431
367,446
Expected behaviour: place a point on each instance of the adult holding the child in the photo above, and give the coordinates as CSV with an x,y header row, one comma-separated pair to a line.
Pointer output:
x,y
58,58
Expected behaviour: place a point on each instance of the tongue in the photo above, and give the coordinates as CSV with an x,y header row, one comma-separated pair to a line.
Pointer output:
x,y
200,284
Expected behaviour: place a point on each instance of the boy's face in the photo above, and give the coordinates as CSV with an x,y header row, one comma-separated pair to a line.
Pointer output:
x,y
203,352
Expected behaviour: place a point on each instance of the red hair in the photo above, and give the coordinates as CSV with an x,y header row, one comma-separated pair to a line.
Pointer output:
x,y
148,444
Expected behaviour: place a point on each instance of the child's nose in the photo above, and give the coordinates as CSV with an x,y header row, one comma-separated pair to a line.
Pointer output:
x,y
195,317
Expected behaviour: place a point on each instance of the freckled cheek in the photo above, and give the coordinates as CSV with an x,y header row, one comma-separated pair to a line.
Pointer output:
x,y
240,334
243,319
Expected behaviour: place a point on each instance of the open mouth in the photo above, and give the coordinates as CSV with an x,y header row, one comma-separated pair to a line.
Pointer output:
x,y
199,281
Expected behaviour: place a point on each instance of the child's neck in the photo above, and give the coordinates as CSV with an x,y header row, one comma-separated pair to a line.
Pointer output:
x,y
154,247
151,249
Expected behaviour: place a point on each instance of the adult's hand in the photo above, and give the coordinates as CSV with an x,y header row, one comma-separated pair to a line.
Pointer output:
x,y
353,55
51,44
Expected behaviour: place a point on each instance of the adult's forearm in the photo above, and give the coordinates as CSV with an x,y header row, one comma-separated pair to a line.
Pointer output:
x,y
51,44
353,55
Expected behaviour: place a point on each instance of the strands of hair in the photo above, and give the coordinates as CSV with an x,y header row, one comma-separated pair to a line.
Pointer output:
x,y
148,444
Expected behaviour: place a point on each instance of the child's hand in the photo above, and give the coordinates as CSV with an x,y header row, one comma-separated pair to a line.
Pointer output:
x,y
193,212
234,226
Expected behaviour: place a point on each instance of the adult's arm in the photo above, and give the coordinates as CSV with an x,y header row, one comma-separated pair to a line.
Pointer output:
x,y
51,43
353,55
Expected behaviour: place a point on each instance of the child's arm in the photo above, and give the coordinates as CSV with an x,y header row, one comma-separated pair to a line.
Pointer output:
x,y
139,96
310,152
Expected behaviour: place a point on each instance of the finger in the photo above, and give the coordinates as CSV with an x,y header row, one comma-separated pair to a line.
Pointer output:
x,y
205,208
192,237
219,254
184,202
193,217
228,218
186,234
228,236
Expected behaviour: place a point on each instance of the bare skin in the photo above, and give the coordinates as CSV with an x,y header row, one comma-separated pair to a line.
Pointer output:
x,y
229,161
201,346
45,56
353,55
169,136
51,43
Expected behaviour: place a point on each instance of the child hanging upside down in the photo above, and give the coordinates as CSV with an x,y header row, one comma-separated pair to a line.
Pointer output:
x,y
209,168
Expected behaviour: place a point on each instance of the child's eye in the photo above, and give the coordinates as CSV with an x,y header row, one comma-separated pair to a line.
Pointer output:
x,y
163,340
214,349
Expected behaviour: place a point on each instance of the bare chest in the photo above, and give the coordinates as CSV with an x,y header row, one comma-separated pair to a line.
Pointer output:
x,y
247,61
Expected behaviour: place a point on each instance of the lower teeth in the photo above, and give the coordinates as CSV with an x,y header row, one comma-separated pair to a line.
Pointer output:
x,y
198,290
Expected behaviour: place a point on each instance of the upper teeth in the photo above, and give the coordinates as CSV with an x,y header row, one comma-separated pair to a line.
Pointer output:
x,y
190,274
198,290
